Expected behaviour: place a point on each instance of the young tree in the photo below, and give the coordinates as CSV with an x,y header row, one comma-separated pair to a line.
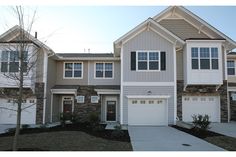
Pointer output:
x,y
22,64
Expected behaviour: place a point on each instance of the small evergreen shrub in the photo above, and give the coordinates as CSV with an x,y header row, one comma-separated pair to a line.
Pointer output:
x,y
93,118
201,121
118,132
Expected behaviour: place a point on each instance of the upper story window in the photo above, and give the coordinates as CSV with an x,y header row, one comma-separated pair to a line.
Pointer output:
x,y
205,58
104,70
231,67
73,70
10,61
148,60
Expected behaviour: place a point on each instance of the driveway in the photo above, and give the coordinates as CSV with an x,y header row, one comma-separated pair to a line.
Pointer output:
x,y
148,138
228,129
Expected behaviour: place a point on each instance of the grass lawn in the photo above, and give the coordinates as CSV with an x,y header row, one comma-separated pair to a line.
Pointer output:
x,y
225,142
64,141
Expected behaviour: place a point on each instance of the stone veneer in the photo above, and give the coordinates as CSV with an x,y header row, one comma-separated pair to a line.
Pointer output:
x,y
39,93
232,107
83,110
203,90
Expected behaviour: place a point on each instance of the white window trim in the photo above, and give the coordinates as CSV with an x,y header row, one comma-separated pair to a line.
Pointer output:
x,y
103,71
64,68
9,61
199,58
231,67
148,51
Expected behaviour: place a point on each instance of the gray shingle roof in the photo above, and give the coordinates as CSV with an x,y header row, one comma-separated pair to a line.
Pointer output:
x,y
70,55
65,87
107,87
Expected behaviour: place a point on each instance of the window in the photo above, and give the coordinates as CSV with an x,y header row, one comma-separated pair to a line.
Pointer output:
x,y
73,70
142,101
148,60
214,58
231,67
94,99
134,101
205,58
194,53
80,99
104,70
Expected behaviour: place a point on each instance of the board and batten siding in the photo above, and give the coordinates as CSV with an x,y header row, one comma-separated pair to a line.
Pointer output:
x,y
182,29
104,81
71,81
148,40
142,90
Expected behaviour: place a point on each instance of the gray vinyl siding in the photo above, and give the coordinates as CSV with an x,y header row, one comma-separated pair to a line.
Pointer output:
x,y
142,90
75,81
179,65
114,81
181,28
148,40
51,76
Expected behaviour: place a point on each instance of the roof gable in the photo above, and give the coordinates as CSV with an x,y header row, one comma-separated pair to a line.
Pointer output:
x,y
179,12
149,24
12,35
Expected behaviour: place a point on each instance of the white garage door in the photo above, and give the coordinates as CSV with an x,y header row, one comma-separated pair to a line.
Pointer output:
x,y
209,105
8,116
147,112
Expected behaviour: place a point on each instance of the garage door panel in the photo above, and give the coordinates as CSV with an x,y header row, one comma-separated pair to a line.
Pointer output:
x,y
201,105
8,113
147,114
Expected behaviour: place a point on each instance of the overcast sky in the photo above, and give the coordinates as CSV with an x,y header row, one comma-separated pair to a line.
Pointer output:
x,y
71,29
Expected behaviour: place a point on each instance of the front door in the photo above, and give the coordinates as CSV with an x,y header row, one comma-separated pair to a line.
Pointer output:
x,y
111,111
67,105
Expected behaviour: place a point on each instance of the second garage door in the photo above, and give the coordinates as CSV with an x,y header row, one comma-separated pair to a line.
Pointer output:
x,y
209,105
147,112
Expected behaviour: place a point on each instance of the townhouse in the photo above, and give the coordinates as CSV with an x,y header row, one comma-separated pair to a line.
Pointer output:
x,y
167,68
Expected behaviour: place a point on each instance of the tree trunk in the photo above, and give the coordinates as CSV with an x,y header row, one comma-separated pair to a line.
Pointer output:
x,y
18,123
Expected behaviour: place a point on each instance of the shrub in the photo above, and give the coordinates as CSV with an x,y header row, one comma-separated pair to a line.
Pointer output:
x,y
118,132
11,130
93,118
25,126
98,128
200,121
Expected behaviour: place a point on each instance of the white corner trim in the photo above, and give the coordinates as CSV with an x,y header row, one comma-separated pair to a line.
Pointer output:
x,y
175,84
121,87
148,83
148,96
51,107
45,72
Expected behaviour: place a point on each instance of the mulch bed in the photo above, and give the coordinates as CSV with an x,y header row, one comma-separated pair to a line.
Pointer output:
x,y
198,133
85,127
225,142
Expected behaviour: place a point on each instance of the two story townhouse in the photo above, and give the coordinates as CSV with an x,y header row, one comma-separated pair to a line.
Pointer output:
x,y
168,68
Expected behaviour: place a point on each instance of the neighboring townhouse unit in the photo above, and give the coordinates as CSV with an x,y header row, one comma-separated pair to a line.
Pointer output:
x,y
35,77
167,68
231,65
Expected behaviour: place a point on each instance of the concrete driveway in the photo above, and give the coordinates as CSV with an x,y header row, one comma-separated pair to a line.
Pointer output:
x,y
148,138
228,129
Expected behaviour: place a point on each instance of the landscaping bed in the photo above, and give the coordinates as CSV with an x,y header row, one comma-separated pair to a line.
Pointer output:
x,y
97,131
63,141
225,142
